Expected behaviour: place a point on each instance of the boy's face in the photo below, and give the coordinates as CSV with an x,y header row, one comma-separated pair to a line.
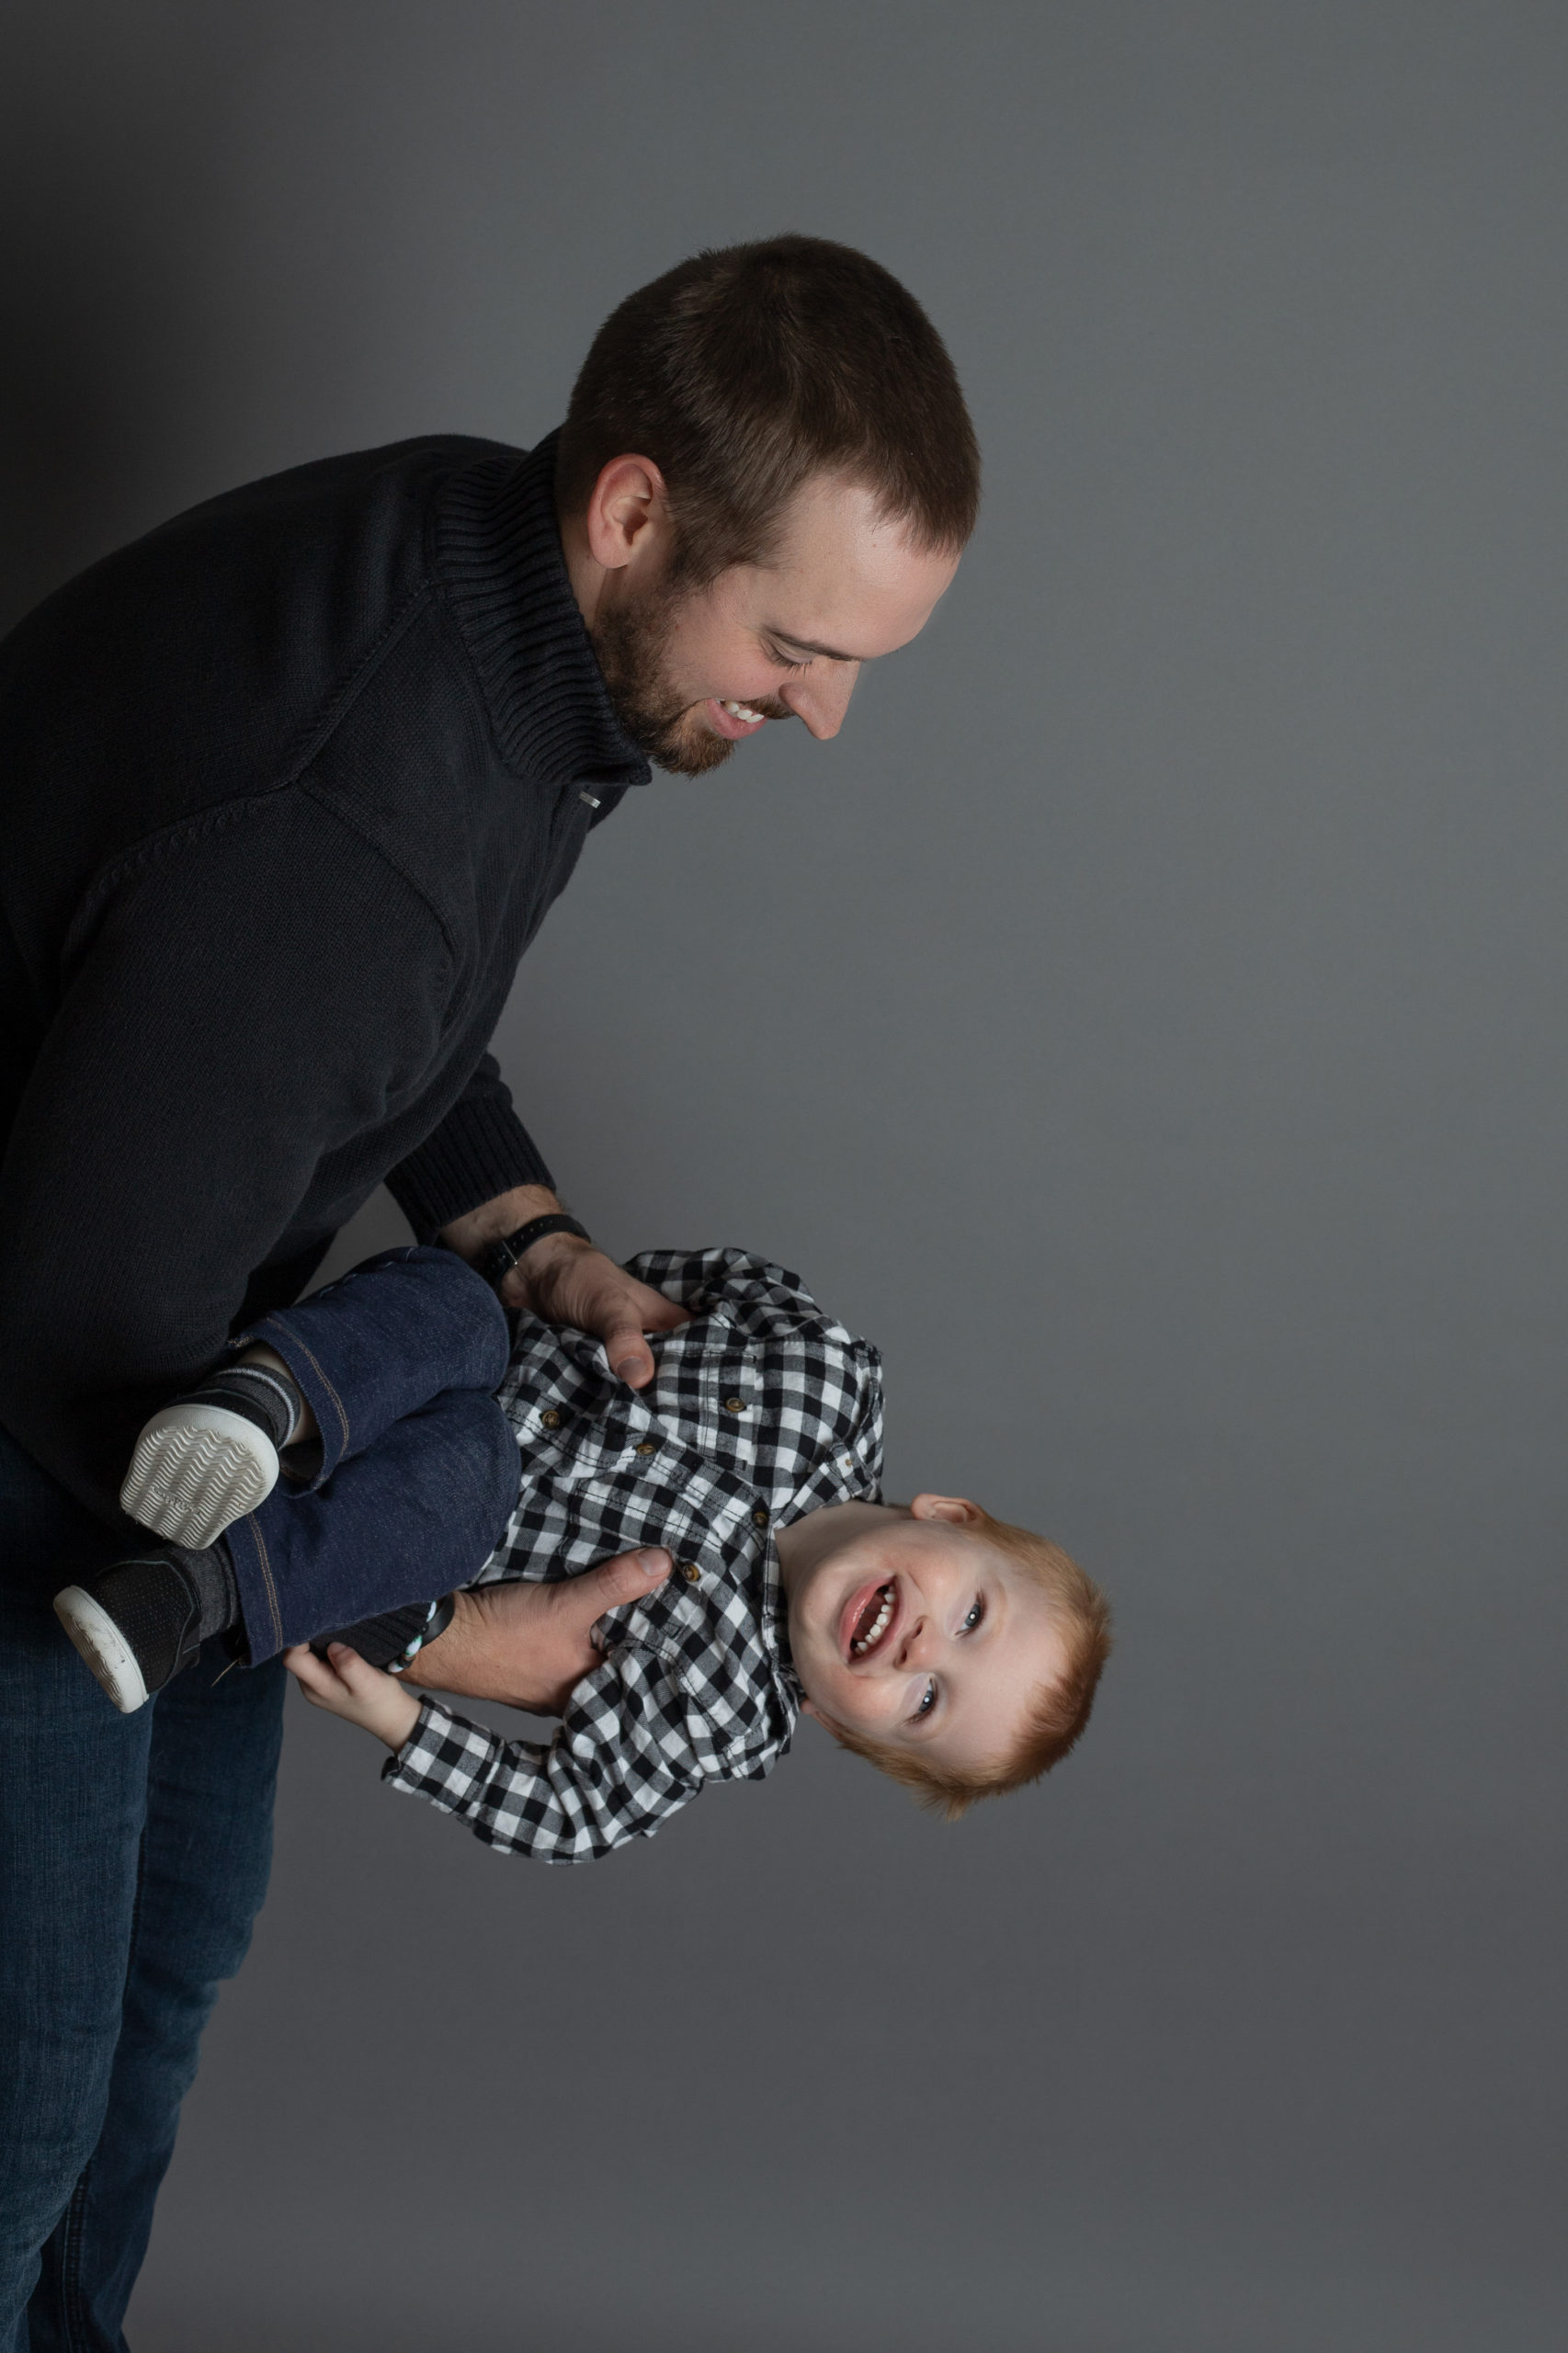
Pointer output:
x,y
908,1628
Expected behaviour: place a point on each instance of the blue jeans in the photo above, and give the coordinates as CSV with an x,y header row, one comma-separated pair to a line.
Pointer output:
x,y
419,1469
134,1849
133,1858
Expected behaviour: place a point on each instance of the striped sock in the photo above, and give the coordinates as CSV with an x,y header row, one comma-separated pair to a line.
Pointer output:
x,y
265,1397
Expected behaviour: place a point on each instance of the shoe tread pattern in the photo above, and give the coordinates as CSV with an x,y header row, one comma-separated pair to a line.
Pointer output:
x,y
189,1485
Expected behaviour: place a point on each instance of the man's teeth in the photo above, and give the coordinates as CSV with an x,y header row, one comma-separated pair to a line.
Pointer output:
x,y
877,1628
742,712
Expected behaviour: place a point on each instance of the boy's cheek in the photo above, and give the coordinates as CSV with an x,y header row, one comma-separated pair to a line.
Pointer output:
x,y
839,1701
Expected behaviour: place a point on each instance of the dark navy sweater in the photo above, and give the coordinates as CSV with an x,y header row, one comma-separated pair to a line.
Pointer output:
x,y
288,787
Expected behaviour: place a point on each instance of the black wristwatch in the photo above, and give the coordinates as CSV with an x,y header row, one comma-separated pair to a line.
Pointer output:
x,y
497,1262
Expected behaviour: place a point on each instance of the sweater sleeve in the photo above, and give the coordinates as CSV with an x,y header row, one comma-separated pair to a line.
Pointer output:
x,y
247,1000
481,1149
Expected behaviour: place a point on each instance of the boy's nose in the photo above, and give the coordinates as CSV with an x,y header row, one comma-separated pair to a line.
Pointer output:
x,y
917,1646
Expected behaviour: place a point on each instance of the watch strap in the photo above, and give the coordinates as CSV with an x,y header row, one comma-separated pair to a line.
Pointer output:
x,y
497,1262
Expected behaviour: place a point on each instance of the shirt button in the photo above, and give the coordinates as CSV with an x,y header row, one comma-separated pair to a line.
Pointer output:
x,y
735,1404
550,1418
645,1446
760,1516
691,1572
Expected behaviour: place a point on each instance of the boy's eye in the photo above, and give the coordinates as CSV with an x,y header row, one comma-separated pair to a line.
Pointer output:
x,y
972,1620
928,1701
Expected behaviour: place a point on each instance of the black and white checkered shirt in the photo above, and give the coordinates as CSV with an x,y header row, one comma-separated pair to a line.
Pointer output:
x,y
759,1411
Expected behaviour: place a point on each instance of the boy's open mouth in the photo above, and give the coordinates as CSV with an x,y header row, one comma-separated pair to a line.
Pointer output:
x,y
869,1620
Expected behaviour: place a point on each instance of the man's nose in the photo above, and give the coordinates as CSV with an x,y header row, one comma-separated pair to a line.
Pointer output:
x,y
821,701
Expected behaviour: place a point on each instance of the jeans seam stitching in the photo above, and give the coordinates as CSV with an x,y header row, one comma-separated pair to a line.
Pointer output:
x,y
271,1589
251,1529
314,1364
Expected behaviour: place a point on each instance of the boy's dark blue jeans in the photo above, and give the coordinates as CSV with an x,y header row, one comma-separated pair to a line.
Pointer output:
x,y
134,1850
419,1469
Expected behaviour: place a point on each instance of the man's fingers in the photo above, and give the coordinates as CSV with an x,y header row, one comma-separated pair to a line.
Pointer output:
x,y
626,1578
631,1358
661,1315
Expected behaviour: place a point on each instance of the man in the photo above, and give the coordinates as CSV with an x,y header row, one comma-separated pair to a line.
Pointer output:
x,y
295,780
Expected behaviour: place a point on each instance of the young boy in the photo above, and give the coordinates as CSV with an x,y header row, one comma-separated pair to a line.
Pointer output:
x,y
956,1654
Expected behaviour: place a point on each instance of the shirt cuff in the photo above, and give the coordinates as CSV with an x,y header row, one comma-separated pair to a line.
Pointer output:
x,y
444,1759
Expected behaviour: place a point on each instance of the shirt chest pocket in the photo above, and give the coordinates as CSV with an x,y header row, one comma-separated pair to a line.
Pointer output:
x,y
675,1625
574,1452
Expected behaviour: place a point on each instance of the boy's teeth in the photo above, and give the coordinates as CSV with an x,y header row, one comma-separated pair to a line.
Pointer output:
x,y
877,1628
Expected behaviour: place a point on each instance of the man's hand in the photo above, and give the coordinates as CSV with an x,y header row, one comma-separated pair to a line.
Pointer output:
x,y
528,1645
565,1280
345,1685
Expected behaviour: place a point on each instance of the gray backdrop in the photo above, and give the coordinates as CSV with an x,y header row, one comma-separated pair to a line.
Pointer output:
x,y
1144,1021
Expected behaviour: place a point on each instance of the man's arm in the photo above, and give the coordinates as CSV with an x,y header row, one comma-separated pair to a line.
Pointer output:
x,y
213,1039
482,1153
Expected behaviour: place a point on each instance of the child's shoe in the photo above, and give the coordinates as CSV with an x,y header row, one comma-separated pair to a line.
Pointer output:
x,y
207,1459
139,1624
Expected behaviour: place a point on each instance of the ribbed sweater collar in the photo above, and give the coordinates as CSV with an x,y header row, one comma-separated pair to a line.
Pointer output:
x,y
499,553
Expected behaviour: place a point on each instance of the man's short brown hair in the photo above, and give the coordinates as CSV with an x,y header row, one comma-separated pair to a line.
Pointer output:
x,y
1061,1710
746,371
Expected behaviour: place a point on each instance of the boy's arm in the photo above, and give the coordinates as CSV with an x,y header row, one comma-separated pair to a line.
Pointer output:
x,y
635,1748
345,1685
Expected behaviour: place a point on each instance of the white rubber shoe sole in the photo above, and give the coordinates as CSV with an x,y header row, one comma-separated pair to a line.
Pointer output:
x,y
197,1469
103,1646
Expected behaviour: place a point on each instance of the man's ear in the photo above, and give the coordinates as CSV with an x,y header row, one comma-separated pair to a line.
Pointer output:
x,y
626,503
956,1508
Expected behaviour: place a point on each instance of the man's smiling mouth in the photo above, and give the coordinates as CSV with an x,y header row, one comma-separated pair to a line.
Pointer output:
x,y
733,721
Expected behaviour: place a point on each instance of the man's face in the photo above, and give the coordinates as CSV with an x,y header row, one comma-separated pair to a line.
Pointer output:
x,y
911,1631
692,674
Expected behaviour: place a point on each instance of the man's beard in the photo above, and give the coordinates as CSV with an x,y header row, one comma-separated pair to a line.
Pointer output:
x,y
632,642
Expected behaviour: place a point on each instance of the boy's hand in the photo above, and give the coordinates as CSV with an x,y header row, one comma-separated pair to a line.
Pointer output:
x,y
345,1685
528,1645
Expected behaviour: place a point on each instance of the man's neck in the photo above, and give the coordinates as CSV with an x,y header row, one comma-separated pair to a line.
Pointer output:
x,y
585,573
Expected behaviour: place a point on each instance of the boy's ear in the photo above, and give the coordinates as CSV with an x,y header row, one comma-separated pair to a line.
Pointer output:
x,y
956,1508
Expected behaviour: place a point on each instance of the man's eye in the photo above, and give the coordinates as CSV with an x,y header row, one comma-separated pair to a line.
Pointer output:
x,y
928,1701
972,1620
783,661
